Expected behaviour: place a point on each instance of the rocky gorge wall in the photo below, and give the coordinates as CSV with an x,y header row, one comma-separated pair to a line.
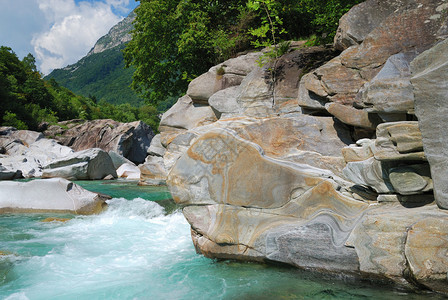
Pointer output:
x,y
325,160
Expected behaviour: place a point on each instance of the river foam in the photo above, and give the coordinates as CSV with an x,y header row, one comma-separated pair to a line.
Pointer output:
x,y
135,250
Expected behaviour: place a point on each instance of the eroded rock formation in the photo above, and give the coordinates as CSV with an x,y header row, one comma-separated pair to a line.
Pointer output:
x,y
328,167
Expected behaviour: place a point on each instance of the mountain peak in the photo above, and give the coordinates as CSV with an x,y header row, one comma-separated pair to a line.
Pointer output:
x,y
118,35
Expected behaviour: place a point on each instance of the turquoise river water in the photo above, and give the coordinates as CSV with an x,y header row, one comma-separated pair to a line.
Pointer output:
x,y
140,248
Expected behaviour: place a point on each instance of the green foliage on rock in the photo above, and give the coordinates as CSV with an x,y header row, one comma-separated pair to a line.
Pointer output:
x,y
176,40
27,99
325,15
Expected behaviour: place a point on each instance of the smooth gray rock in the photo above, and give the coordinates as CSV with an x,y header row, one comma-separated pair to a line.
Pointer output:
x,y
407,181
118,159
156,148
224,102
227,74
390,91
91,164
48,195
399,141
313,245
355,25
186,115
129,171
430,81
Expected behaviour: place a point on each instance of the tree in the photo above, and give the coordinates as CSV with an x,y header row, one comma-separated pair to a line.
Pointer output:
x,y
30,62
325,15
192,36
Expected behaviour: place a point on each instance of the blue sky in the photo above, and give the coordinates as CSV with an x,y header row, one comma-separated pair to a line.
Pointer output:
x,y
58,32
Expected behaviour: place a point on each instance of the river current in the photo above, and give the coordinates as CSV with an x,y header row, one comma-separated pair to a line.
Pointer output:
x,y
140,248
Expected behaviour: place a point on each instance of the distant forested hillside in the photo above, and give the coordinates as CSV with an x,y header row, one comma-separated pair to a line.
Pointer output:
x,y
100,75
27,100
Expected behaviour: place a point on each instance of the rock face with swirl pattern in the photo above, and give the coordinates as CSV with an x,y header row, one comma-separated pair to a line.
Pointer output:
x,y
332,167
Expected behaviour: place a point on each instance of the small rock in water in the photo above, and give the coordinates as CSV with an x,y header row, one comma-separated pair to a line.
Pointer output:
x,y
53,219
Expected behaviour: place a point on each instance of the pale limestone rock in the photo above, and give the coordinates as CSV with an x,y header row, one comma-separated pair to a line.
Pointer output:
x,y
128,171
48,195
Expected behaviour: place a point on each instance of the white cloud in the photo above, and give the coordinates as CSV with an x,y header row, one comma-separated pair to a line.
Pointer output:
x,y
73,29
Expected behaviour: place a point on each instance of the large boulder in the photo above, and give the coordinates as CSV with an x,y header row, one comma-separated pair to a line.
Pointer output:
x,y
130,140
88,164
355,25
243,204
430,81
49,195
227,74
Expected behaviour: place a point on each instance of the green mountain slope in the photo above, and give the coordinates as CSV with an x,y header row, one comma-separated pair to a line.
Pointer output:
x,y
102,73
